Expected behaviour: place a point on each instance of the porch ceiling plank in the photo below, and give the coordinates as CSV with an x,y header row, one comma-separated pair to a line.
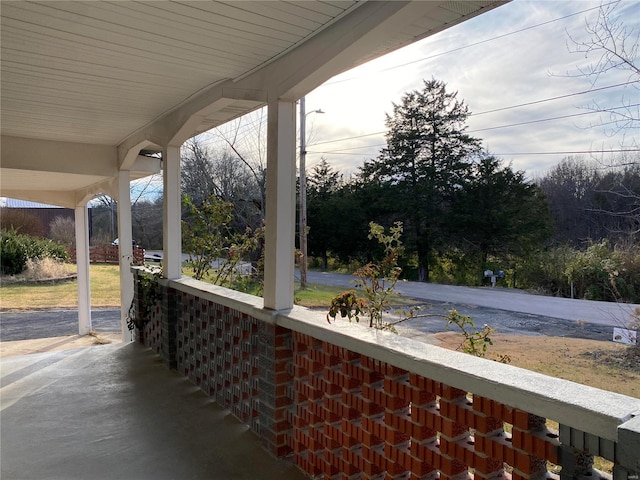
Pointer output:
x,y
114,54
218,30
164,17
330,9
240,21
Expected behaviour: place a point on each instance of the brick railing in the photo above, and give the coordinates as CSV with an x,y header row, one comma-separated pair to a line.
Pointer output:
x,y
353,403
109,255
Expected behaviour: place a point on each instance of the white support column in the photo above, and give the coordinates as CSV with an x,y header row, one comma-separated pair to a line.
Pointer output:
x,y
172,231
125,248
82,263
280,208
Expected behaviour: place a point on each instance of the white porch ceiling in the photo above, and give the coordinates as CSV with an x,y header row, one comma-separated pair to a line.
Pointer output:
x,y
132,74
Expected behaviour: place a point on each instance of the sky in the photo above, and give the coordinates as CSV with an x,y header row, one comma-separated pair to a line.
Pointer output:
x,y
512,55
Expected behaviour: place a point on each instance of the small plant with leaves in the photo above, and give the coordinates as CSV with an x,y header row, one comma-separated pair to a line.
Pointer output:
x,y
149,294
376,279
347,304
215,249
476,342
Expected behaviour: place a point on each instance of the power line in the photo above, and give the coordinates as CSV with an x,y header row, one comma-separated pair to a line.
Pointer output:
x,y
568,152
559,97
534,102
475,43
561,117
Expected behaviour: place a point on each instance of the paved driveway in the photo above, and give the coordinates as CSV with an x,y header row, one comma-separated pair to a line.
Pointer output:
x,y
54,323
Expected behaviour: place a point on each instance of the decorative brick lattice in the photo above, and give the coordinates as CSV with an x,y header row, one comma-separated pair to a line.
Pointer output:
x,y
152,335
345,415
217,349
358,417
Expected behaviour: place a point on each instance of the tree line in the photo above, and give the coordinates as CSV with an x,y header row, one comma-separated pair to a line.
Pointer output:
x,y
463,210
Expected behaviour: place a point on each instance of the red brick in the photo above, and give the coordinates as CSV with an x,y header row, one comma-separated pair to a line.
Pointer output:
x,y
528,464
370,440
487,425
353,430
400,420
333,432
450,466
422,397
368,407
396,402
347,468
419,467
369,468
347,382
423,383
451,393
453,430
393,371
521,420
329,417
421,433
487,466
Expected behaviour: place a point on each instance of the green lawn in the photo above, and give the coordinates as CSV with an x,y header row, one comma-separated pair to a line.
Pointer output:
x,y
105,292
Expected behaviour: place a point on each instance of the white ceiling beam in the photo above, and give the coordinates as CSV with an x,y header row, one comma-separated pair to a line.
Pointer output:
x,y
65,199
145,165
182,123
60,157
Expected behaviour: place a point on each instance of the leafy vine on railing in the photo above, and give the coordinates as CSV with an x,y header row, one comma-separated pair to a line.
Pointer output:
x,y
149,294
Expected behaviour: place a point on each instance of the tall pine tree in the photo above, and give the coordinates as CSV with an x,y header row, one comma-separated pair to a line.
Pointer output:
x,y
426,160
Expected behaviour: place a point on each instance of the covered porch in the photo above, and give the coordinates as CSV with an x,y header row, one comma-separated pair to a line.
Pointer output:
x,y
95,94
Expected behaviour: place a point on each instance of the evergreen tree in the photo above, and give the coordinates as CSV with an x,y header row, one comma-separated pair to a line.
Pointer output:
x,y
323,187
499,213
426,160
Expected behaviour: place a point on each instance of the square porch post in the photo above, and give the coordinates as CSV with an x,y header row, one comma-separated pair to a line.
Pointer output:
x,y
172,230
125,247
82,263
280,205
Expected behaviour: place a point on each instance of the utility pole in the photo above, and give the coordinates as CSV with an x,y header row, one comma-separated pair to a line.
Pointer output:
x,y
303,197
303,192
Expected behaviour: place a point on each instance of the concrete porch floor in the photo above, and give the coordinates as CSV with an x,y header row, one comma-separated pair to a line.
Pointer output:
x,y
116,412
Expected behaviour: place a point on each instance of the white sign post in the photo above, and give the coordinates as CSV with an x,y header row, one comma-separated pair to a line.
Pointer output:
x,y
623,335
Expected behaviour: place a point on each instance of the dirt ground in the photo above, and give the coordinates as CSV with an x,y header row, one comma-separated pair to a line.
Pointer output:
x,y
600,364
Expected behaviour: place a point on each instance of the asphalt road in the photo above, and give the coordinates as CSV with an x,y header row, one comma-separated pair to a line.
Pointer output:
x,y
54,323
507,311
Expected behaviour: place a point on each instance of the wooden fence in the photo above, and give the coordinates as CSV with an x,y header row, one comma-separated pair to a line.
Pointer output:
x,y
109,255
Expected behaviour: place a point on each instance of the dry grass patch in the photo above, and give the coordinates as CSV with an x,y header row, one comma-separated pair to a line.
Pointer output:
x,y
42,269
603,365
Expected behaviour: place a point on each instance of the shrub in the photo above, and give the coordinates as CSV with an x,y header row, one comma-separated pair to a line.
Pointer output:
x,y
63,231
13,252
16,249
605,273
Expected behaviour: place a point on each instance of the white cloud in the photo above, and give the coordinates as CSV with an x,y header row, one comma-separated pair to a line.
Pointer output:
x,y
533,64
